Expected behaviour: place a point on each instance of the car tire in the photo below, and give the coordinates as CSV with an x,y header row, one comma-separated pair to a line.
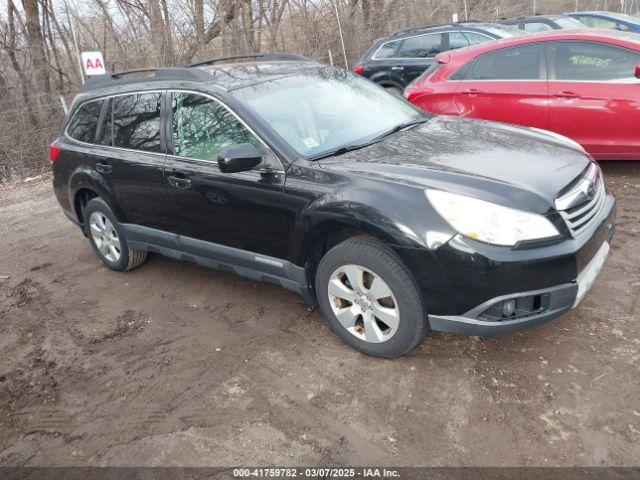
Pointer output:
x,y
381,326
108,239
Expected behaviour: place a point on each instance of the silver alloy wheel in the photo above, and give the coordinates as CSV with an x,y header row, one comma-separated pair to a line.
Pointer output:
x,y
105,236
363,303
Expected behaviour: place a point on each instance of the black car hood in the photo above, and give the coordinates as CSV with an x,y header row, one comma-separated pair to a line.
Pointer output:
x,y
497,162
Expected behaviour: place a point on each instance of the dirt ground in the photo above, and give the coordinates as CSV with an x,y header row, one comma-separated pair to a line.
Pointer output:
x,y
174,364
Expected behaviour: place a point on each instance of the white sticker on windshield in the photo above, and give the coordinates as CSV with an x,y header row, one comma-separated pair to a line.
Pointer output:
x,y
310,142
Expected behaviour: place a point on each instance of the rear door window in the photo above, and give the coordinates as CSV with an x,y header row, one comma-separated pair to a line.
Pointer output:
x,y
474,38
457,40
590,61
532,27
84,124
423,46
136,121
518,63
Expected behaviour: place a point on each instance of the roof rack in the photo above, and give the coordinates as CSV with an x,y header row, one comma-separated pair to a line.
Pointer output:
x,y
435,25
261,56
158,74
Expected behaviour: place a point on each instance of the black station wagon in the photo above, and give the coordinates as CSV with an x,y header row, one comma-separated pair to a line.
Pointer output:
x,y
392,220
394,61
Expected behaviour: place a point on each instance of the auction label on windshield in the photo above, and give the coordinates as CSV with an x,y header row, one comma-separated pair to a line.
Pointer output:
x,y
315,472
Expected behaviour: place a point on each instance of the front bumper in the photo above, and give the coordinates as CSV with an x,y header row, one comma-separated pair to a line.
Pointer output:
x,y
460,281
562,299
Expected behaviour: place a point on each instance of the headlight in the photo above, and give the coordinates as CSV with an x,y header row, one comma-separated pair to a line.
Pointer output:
x,y
488,222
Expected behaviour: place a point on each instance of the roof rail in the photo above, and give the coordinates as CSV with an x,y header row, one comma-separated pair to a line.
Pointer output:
x,y
158,74
261,56
435,25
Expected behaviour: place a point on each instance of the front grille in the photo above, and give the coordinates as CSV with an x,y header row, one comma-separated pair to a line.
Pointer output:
x,y
579,210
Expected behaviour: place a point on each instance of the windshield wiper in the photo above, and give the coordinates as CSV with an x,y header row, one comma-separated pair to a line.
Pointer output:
x,y
341,150
357,146
400,127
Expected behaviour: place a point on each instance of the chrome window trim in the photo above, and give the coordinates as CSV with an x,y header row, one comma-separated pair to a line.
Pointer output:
x,y
169,90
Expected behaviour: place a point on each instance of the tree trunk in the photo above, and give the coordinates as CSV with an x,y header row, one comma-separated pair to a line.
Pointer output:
x,y
11,52
36,45
160,35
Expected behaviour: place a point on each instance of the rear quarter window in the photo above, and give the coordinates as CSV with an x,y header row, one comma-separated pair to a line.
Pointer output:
x,y
463,72
84,123
386,50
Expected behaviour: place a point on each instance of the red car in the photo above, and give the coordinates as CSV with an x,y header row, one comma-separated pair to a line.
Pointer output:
x,y
583,84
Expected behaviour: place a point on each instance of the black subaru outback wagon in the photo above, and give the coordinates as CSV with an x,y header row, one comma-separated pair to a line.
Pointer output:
x,y
283,170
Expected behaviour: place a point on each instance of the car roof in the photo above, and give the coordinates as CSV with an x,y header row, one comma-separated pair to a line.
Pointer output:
x,y
227,73
238,75
532,17
615,15
438,27
625,39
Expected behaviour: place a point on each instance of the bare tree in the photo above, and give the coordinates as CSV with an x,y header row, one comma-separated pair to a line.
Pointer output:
x,y
36,45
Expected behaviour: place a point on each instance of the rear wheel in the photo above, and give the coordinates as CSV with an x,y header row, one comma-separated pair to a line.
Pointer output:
x,y
107,238
370,299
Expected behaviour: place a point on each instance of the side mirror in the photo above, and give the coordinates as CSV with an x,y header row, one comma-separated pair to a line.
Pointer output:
x,y
239,158
637,71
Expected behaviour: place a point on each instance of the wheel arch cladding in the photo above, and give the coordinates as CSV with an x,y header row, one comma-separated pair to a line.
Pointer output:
x,y
86,184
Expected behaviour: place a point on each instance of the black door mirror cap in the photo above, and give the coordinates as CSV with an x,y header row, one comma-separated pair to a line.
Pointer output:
x,y
239,158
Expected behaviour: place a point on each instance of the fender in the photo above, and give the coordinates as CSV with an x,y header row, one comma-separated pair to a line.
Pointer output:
x,y
84,177
322,217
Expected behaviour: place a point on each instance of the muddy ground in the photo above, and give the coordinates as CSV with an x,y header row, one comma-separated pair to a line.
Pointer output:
x,y
174,364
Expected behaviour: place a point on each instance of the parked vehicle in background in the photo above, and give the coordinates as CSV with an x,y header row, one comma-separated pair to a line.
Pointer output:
x,y
610,20
583,84
396,60
542,23
393,220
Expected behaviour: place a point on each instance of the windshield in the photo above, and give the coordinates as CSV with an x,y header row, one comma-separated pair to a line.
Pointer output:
x,y
317,111
568,22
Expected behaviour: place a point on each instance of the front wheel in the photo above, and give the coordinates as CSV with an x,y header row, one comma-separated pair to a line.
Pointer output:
x,y
370,299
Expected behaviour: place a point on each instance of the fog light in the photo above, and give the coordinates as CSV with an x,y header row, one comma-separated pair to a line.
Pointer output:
x,y
508,308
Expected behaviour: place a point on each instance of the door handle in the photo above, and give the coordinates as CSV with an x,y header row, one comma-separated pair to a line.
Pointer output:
x,y
566,94
471,91
103,168
397,68
178,181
